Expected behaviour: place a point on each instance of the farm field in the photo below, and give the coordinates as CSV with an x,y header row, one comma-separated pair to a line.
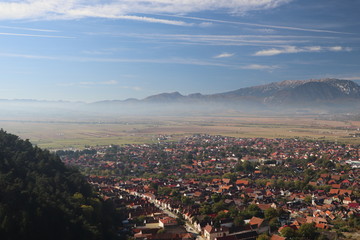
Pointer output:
x,y
65,134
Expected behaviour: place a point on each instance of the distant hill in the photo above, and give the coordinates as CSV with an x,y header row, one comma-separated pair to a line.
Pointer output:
x,y
41,198
298,92
285,92
305,96
330,95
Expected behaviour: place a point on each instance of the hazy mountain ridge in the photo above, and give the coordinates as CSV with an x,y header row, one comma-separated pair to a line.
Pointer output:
x,y
318,96
325,90
285,92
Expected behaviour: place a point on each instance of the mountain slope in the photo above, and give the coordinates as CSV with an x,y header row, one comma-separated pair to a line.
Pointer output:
x,y
41,198
285,92
300,91
329,95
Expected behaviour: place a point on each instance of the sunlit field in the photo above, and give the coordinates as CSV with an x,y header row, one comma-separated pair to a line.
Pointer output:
x,y
67,134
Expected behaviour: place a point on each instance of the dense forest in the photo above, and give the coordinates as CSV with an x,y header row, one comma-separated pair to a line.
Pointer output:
x,y
41,198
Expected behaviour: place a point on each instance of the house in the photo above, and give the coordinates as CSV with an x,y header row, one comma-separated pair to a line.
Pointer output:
x,y
344,191
211,233
277,237
259,224
242,182
334,191
249,235
347,200
321,226
167,221
233,237
145,233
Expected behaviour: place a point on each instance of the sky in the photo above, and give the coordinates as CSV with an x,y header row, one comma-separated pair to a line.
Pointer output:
x,y
92,50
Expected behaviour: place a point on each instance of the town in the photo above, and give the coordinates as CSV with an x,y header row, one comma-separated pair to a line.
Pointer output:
x,y
224,188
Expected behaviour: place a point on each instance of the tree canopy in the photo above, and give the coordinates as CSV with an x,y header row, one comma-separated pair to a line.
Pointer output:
x,y
41,198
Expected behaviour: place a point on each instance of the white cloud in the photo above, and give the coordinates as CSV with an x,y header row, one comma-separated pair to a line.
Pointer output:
x,y
154,20
32,35
221,40
183,61
293,49
265,30
260,67
206,24
344,77
312,49
29,29
339,49
28,56
269,52
224,55
72,9
131,9
104,83
111,82
257,24
132,88
88,83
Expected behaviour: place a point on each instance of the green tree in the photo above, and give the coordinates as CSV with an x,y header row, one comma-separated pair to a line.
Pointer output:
x,y
263,236
239,221
253,210
270,213
308,199
274,224
205,209
307,231
216,197
231,176
217,207
187,201
288,232
41,198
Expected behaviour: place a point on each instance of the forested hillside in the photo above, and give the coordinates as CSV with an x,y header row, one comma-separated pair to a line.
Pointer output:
x,y
41,198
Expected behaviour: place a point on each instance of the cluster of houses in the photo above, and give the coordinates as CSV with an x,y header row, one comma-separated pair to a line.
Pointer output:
x,y
240,171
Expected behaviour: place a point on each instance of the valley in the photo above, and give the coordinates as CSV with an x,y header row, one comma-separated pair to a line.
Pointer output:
x,y
63,133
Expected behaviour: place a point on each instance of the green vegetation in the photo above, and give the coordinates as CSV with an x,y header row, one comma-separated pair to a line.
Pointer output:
x,y
41,198
307,231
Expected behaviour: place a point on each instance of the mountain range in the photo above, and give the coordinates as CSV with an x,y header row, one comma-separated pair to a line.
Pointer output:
x,y
313,96
285,93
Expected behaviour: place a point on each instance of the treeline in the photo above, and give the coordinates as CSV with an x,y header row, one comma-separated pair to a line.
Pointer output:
x,y
41,198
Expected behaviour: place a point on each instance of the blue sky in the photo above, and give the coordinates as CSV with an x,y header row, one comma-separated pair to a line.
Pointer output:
x,y
91,50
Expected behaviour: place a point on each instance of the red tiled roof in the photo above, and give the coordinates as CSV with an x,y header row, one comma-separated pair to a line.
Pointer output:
x,y
242,182
334,191
277,237
256,221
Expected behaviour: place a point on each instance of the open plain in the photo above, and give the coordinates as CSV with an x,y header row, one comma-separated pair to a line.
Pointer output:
x,y
64,134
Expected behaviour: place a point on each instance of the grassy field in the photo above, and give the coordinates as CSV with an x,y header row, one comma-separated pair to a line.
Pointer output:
x,y
66,134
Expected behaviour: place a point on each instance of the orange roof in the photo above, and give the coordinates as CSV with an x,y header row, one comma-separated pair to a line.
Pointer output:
x,y
277,237
264,206
336,177
343,191
226,180
244,182
334,191
256,221
321,225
